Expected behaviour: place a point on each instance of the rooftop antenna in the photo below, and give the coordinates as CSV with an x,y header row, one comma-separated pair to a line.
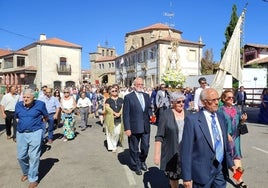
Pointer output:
x,y
170,16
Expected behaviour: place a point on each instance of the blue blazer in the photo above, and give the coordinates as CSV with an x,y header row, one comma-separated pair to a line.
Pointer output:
x,y
134,118
197,153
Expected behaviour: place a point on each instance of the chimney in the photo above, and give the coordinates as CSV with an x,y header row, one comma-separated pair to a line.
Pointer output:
x,y
43,37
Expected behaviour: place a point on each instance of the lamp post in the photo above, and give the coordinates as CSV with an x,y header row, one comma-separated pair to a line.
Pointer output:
x,y
255,80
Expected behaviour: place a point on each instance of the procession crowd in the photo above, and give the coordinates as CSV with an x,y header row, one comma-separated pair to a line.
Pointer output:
x,y
197,140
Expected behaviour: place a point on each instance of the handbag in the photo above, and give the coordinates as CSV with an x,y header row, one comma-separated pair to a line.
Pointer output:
x,y
242,129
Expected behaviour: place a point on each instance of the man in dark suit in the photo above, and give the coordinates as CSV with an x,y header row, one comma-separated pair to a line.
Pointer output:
x,y
205,157
241,97
136,117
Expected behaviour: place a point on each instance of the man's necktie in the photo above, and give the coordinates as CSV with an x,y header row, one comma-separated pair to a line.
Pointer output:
x,y
141,100
217,139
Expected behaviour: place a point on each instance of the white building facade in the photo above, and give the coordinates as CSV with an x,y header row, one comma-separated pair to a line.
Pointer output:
x,y
52,62
149,52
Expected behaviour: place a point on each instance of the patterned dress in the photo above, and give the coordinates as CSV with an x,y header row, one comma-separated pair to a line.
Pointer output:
x,y
232,115
68,119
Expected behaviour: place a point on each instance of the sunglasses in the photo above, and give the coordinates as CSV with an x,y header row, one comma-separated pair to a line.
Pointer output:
x,y
229,98
179,102
213,100
203,82
113,91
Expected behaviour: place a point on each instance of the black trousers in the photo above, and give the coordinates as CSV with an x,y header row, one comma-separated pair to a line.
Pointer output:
x,y
10,121
138,154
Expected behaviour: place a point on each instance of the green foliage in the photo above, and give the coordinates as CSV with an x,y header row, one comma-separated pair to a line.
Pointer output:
x,y
230,29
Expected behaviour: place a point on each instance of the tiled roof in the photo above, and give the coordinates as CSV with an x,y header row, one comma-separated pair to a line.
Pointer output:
x,y
4,52
157,26
112,58
8,52
58,42
257,61
257,45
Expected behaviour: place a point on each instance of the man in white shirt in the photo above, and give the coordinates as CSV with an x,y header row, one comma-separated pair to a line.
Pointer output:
x,y
8,104
197,102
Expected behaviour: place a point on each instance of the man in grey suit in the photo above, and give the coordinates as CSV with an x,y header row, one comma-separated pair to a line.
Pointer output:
x,y
205,153
136,117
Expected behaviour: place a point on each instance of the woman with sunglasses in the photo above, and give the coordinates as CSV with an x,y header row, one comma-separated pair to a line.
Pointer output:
x,y
113,119
233,117
168,138
68,105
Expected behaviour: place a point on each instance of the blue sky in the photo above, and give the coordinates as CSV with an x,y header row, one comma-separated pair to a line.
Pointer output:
x,y
92,22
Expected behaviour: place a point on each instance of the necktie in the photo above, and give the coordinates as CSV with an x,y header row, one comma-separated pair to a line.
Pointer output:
x,y
217,139
141,100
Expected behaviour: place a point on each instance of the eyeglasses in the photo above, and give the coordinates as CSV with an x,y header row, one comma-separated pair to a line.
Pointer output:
x,y
179,102
113,91
213,100
65,92
228,98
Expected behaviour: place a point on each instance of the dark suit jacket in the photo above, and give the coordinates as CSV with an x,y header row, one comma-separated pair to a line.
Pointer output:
x,y
197,153
134,118
239,97
167,134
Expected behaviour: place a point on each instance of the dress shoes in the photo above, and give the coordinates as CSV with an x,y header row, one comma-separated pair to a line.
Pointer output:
x,y
23,178
143,166
33,185
138,172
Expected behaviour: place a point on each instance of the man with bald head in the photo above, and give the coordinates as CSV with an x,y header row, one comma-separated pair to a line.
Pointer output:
x,y
205,154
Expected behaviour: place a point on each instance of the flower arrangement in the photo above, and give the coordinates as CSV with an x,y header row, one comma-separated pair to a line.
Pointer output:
x,y
173,79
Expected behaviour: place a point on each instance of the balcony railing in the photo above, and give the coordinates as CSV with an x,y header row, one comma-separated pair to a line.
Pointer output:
x,y
64,69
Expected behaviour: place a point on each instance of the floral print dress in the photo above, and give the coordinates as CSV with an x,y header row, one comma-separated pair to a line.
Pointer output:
x,y
232,116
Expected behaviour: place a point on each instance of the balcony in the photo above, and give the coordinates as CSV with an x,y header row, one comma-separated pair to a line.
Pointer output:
x,y
64,69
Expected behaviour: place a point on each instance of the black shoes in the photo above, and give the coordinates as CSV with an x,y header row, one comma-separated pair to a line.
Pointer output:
x,y
138,172
143,166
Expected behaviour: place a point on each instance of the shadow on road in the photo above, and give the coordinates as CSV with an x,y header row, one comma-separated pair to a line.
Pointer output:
x,y
45,166
155,178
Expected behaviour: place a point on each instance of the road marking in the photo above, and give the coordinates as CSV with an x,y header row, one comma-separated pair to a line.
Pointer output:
x,y
264,151
130,176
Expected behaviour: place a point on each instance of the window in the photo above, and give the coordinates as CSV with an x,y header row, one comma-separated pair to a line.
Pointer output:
x,y
8,63
63,61
192,56
20,61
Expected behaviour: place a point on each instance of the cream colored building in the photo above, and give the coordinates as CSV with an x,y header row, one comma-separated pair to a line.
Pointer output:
x,y
52,62
103,66
150,51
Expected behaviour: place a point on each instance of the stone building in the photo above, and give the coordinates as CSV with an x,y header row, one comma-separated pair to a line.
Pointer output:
x,y
52,62
103,66
151,51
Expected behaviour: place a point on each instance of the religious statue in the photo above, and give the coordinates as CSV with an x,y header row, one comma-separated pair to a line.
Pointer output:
x,y
174,57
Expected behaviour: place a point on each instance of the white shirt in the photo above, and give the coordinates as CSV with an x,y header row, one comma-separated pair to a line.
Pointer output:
x,y
209,122
83,102
9,101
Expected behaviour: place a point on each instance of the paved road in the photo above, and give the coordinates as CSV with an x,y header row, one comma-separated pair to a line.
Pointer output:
x,y
85,163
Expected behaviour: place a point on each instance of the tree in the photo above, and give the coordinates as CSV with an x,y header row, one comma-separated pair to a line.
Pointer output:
x,y
207,64
230,29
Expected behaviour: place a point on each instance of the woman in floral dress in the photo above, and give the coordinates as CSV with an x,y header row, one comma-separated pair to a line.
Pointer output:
x,y
233,117
68,105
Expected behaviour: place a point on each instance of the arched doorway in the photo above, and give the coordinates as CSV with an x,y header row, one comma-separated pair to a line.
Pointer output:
x,y
105,79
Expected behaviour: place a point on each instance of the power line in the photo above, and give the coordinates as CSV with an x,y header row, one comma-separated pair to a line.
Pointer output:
x,y
17,34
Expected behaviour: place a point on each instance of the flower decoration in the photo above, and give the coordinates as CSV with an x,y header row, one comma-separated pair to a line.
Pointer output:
x,y
173,79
